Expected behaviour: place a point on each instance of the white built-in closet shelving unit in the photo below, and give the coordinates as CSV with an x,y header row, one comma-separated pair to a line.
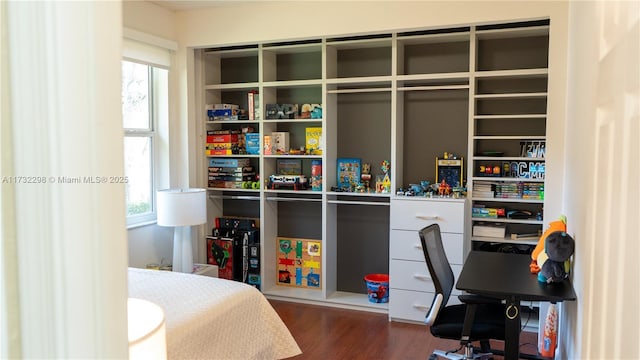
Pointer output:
x,y
406,97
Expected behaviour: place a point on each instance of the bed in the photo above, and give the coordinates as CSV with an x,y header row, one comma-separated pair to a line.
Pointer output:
x,y
211,318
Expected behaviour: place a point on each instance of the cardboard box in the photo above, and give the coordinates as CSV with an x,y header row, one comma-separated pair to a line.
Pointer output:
x,y
281,111
489,230
313,142
213,152
289,166
220,253
222,138
268,145
349,170
252,143
280,141
219,162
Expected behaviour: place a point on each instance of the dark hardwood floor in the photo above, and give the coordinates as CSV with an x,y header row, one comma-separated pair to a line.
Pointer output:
x,y
331,333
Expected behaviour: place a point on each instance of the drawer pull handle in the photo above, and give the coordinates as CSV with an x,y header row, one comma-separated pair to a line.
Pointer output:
x,y
422,277
421,307
427,217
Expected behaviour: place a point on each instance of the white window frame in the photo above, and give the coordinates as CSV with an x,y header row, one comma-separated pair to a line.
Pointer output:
x,y
157,53
155,109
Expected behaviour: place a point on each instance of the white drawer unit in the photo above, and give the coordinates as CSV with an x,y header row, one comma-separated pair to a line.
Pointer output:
x,y
418,213
411,287
407,246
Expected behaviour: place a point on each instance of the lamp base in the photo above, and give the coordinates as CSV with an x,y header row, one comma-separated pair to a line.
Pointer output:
x,y
182,250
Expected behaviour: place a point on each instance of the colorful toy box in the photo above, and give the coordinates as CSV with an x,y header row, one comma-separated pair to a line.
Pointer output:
x,y
313,144
299,262
252,143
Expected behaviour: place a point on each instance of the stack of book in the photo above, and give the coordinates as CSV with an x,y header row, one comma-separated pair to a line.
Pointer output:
x,y
533,191
483,189
509,190
222,142
230,173
489,230
487,212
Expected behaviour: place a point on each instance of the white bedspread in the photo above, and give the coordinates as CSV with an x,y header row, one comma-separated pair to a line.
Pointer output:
x,y
211,318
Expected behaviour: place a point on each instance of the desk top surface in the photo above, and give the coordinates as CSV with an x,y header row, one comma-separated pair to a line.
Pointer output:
x,y
504,275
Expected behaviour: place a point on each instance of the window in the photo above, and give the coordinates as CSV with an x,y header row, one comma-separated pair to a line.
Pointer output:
x,y
144,104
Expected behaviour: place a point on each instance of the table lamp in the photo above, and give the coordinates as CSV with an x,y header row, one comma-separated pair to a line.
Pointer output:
x,y
146,330
182,208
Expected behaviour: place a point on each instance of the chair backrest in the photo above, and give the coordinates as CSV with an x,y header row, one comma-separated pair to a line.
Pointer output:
x,y
437,262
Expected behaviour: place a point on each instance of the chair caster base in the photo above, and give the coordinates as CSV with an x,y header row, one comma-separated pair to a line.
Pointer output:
x,y
455,356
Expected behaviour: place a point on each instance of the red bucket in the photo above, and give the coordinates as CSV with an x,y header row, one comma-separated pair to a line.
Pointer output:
x,y
377,287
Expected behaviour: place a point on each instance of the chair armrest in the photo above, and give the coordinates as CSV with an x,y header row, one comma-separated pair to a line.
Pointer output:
x,y
434,310
478,299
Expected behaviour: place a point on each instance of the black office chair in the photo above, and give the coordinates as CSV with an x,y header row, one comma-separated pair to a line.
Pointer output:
x,y
478,319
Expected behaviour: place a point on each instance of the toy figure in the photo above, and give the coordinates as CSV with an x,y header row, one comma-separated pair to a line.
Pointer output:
x,y
554,262
557,225
385,187
553,253
366,176
444,188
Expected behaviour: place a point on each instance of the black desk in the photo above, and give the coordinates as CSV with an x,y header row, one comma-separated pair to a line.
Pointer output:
x,y
507,276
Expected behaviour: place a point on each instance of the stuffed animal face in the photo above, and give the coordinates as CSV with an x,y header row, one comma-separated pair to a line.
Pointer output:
x,y
554,261
559,246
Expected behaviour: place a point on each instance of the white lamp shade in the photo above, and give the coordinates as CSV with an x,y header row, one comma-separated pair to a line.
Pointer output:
x,y
182,207
146,330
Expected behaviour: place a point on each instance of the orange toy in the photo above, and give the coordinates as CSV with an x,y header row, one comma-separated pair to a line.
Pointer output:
x,y
558,225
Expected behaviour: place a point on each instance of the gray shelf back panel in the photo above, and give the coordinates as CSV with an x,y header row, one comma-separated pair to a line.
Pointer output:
x,y
299,66
363,245
300,95
375,61
242,208
513,53
436,58
300,219
511,85
364,128
510,127
239,70
435,122
501,106
509,148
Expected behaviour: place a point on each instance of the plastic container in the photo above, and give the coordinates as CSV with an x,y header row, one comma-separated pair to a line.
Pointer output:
x,y
377,287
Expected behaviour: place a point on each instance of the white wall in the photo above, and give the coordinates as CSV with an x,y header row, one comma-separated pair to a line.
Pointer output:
x,y
601,194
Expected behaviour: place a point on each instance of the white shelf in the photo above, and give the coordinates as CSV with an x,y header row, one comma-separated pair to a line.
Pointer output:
x,y
275,121
509,158
504,240
212,122
513,116
520,73
234,86
531,201
293,83
505,220
512,95
509,137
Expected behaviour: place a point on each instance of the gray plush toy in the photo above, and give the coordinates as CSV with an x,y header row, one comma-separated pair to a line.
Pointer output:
x,y
558,248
